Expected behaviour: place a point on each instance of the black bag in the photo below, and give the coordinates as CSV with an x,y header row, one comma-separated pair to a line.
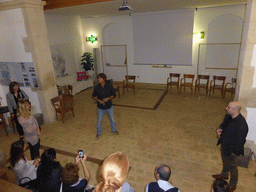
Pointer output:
x,y
29,184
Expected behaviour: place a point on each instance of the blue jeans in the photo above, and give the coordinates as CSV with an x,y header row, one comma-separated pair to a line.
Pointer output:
x,y
100,114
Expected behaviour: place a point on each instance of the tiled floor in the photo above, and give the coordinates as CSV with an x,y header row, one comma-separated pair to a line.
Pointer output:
x,y
180,133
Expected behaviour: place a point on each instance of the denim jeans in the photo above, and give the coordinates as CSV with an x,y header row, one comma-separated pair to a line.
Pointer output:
x,y
100,114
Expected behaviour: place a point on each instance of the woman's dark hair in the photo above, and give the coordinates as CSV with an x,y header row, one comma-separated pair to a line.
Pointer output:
x,y
220,185
48,157
47,164
70,174
17,152
102,75
11,85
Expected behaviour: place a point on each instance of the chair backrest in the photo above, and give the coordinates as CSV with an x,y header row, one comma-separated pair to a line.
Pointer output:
x,y
188,76
56,99
174,75
219,78
233,80
70,88
207,77
130,77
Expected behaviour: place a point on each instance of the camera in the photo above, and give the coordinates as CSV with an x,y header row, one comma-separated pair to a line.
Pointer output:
x,y
81,153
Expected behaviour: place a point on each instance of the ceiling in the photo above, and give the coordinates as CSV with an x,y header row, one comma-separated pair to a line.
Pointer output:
x,y
110,8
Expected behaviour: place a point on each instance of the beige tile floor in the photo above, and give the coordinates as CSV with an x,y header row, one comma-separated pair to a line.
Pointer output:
x,y
180,133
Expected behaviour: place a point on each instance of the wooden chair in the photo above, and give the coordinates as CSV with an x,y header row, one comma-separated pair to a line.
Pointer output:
x,y
116,87
184,81
3,123
62,104
231,89
171,83
68,90
218,82
199,84
129,82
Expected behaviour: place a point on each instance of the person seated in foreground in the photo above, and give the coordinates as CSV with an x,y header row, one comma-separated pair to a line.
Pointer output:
x,y
24,170
114,172
220,185
162,174
49,172
70,176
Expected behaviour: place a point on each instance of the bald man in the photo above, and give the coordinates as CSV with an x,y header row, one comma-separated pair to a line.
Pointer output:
x,y
162,173
232,132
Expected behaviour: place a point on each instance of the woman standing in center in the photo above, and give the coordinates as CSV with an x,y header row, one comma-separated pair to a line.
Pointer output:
x,y
114,172
30,128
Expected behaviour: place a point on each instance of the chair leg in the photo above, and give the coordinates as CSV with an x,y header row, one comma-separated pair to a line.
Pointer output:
x,y
62,117
123,90
73,112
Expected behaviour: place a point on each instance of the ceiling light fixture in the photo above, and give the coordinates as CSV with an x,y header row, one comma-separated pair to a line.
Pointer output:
x,y
125,7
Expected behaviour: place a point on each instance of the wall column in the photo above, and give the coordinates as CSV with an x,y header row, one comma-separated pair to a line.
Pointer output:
x,y
246,89
37,43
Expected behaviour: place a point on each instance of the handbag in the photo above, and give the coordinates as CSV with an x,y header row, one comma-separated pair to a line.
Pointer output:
x,y
27,183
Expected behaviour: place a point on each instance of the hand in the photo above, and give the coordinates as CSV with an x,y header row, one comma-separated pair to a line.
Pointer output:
x,y
77,159
101,101
219,131
36,162
13,115
84,159
38,132
106,99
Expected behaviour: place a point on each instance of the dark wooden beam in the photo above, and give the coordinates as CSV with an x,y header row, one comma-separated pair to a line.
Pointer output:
x,y
55,4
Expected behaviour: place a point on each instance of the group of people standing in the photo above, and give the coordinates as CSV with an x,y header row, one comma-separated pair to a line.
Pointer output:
x,y
27,126
232,137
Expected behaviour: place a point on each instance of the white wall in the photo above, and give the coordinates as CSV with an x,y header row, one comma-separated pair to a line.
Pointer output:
x,y
66,29
12,30
203,19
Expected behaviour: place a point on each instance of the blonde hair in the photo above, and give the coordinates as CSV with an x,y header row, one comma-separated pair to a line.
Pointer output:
x,y
114,173
22,110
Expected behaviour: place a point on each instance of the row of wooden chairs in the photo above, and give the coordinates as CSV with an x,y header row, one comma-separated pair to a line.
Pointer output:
x,y
202,81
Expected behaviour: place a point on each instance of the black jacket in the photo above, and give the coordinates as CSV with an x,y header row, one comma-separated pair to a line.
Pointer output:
x,y
104,92
233,136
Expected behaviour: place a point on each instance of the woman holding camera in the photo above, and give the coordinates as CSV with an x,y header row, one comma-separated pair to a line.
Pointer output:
x,y
70,176
15,95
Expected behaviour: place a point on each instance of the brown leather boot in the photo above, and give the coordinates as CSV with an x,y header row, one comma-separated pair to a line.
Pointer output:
x,y
219,176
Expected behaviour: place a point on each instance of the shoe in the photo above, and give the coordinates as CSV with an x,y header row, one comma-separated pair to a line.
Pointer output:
x,y
232,189
219,176
116,132
97,136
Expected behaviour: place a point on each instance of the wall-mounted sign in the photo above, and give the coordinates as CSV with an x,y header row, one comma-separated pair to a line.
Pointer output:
x,y
22,72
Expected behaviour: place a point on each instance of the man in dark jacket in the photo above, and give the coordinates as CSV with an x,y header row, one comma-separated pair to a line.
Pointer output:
x,y
103,93
232,132
162,173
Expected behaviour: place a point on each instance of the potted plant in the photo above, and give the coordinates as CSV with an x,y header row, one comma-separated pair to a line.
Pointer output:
x,y
87,61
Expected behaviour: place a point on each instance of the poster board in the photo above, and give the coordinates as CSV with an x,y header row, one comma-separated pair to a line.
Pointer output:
x,y
22,72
